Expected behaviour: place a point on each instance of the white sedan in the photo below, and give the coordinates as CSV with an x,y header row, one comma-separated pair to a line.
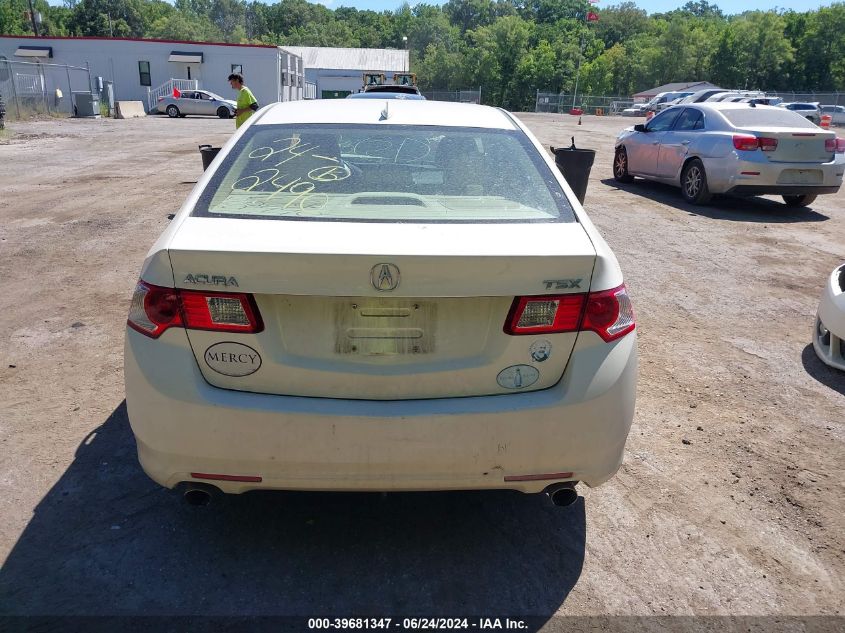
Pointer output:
x,y
733,148
374,295
829,330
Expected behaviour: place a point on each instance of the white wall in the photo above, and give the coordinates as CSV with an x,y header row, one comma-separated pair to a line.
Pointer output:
x,y
117,61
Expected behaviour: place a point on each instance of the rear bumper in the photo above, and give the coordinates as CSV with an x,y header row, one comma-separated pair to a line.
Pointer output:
x,y
183,425
764,177
831,350
780,190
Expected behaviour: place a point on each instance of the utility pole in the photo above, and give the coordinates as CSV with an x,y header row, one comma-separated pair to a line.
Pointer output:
x,y
580,57
32,16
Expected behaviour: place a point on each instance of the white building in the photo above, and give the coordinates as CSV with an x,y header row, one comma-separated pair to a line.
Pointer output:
x,y
137,67
339,71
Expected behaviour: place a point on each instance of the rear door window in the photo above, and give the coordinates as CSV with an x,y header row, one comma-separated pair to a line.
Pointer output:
x,y
691,119
385,173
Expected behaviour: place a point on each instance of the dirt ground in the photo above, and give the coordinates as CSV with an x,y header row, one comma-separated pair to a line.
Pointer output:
x,y
730,502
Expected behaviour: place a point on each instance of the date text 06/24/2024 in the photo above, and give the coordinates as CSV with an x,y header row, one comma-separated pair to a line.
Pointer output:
x,y
416,624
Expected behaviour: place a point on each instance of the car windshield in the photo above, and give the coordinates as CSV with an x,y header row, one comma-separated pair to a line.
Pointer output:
x,y
215,96
385,173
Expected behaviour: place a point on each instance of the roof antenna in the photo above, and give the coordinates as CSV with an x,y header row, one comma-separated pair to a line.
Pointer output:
x,y
385,114
573,143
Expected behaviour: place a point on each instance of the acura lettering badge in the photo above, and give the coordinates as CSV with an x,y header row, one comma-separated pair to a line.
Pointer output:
x,y
384,277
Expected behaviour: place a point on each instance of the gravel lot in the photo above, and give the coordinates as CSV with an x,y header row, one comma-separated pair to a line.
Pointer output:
x,y
730,502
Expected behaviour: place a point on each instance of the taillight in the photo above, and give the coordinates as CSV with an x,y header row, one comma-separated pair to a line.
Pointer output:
x,y
834,145
545,314
608,313
221,311
767,144
746,143
155,309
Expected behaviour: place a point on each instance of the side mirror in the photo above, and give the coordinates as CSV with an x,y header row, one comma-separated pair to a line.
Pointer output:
x,y
640,127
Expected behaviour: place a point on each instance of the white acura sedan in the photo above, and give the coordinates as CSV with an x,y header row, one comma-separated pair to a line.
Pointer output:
x,y
373,295
741,149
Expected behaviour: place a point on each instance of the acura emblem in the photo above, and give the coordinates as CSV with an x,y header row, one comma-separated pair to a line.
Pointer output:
x,y
384,277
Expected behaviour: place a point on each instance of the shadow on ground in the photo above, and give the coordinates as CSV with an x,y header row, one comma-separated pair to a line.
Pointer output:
x,y
107,540
828,376
753,209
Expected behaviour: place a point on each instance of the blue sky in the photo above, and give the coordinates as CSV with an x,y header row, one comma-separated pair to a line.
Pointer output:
x,y
653,6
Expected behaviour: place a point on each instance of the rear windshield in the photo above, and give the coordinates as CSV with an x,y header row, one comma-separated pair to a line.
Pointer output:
x,y
765,117
385,173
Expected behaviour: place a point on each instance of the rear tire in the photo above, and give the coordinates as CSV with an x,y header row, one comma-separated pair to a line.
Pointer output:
x,y
620,166
172,111
223,113
694,183
800,201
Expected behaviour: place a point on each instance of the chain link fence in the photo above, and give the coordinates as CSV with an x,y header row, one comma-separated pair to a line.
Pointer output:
x,y
823,98
590,104
38,89
458,96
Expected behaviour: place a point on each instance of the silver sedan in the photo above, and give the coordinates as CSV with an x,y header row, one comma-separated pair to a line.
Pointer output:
x,y
196,102
733,148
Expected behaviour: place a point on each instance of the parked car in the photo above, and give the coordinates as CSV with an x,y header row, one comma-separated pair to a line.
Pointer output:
x,y
829,330
702,95
734,96
837,112
354,299
671,99
772,101
638,109
733,148
657,103
371,94
196,102
809,111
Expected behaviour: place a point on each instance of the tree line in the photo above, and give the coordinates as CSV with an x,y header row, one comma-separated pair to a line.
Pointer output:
x,y
509,48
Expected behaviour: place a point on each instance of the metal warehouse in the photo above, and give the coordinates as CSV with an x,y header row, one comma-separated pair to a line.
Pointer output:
x,y
141,70
339,71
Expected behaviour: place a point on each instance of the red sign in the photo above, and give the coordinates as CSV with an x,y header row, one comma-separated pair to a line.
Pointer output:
x,y
592,17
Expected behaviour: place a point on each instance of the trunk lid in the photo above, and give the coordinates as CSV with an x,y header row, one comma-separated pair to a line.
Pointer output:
x,y
328,330
796,145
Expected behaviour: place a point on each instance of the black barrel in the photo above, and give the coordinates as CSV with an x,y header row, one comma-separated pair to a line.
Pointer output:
x,y
575,165
208,153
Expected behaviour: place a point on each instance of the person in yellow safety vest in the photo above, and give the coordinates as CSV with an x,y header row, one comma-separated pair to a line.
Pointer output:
x,y
247,104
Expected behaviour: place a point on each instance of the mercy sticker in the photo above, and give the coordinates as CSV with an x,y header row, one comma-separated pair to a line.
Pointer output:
x,y
232,359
